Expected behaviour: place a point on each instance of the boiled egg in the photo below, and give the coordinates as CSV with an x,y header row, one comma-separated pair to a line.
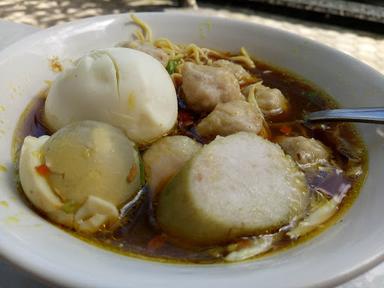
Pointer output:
x,y
124,87
81,175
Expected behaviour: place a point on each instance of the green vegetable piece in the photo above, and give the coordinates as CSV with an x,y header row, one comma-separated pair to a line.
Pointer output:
x,y
172,65
69,207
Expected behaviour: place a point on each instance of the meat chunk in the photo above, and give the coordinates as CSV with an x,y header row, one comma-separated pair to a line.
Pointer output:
x,y
237,70
235,186
305,151
231,117
149,49
270,100
205,86
165,158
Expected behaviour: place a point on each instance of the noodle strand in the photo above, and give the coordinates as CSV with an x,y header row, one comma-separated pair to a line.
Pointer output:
x,y
191,52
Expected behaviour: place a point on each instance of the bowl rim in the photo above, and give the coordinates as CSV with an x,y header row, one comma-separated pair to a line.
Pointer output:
x,y
14,257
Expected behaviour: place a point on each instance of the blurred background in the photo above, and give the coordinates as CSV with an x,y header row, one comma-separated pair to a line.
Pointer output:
x,y
359,14
355,27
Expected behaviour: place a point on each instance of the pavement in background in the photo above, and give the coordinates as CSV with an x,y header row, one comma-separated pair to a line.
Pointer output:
x,y
367,47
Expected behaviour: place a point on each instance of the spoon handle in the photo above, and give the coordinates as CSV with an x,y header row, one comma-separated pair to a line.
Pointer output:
x,y
369,115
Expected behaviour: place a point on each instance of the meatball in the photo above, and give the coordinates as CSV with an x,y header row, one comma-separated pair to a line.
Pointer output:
x,y
231,117
149,49
165,158
270,100
237,70
305,151
205,86
235,186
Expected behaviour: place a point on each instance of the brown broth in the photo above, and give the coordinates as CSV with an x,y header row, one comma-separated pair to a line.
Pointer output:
x,y
139,237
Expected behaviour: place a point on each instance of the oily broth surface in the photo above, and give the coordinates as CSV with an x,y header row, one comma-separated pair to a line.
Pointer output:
x,y
139,236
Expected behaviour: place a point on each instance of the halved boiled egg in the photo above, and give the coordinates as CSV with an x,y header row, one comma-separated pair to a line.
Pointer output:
x,y
80,175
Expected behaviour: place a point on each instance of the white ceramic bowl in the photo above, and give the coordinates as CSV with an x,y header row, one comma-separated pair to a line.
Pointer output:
x,y
340,253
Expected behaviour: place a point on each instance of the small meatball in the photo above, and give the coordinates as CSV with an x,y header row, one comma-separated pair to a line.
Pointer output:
x,y
305,150
237,70
270,100
149,49
165,158
231,117
205,86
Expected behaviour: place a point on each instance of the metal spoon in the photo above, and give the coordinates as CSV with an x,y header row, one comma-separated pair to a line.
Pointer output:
x,y
365,115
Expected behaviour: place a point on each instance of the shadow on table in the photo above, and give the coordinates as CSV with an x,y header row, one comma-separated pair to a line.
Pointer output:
x,y
51,12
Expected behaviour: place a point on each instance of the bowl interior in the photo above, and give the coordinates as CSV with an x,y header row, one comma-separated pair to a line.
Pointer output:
x,y
349,247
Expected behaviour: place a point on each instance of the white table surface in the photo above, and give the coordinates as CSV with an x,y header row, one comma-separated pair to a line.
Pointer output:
x,y
12,277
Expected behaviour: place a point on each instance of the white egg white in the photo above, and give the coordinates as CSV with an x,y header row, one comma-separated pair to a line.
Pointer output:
x,y
120,86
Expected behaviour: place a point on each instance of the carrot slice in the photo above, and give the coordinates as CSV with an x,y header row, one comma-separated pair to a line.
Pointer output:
x,y
287,130
132,173
42,169
156,242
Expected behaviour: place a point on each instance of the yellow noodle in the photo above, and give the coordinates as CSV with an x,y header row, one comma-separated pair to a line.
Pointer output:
x,y
139,35
192,52
215,53
248,80
251,97
179,55
170,52
166,43
179,67
244,52
243,59
144,26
